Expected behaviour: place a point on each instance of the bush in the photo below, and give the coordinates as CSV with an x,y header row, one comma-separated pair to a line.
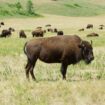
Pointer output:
x,y
30,8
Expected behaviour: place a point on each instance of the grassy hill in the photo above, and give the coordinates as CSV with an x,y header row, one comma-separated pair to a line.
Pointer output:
x,y
59,7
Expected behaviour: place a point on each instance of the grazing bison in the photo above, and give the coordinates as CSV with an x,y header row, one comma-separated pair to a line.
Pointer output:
x,y
60,33
22,34
101,25
2,23
101,28
82,29
55,30
89,26
48,25
59,49
12,29
6,33
50,30
39,28
38,33
92,35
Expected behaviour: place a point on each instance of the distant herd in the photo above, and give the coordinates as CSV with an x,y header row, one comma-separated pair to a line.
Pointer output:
x,y
39,31
64,49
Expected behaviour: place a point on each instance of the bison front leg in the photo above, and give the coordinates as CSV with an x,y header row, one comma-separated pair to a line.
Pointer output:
x,y
63,70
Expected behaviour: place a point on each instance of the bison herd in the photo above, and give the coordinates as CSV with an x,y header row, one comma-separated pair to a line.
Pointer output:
x,y
90,26
37,32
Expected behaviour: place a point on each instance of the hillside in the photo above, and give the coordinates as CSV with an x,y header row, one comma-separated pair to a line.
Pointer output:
x,y
58,7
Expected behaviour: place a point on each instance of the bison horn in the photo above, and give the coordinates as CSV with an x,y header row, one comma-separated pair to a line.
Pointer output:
x,y
81,45
91,42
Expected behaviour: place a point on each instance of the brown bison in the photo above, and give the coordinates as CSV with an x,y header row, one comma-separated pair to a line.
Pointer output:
x,y
48,25
101,25
101,28
50,30
89,26
2,23
6,33
12,29
93,35
60,33
82,29
38,33
22,34
55,30
58,49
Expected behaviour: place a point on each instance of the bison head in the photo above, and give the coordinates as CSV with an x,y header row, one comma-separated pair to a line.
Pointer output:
x,y
87,51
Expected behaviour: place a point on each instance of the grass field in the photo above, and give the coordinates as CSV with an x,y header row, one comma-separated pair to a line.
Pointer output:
x,y
85,84
77,8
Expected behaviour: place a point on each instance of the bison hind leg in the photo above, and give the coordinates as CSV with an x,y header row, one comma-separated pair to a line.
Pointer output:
x,y
31,70
27,67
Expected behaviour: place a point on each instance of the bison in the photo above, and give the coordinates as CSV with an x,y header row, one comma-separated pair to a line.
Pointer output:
x,y
6,33
38,33
2,23
89,26
60,33
50,30
101,28
55,30
22,34
68,49
93,35
82,29
12,29
48,25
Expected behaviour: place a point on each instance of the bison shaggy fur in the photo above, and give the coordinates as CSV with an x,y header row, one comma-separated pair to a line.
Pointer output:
x,y
22,34
58,49
89,26
5,33
38,33
60,33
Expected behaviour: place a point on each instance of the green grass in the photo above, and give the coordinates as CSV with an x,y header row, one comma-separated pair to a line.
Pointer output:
x,y
11,46
71,8
60,7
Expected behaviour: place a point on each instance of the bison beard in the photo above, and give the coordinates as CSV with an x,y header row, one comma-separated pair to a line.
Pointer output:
x,y
59,49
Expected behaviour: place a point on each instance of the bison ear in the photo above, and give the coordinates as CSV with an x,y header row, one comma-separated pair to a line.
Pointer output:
x,y
91,42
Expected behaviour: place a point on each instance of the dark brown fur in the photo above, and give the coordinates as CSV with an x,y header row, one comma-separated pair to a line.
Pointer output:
x,y
82,29
2,23
89,26
60,33
38,33
5,33
22,34
93,35
59,49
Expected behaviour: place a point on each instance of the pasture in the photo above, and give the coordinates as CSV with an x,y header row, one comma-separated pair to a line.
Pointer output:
x,y
85,84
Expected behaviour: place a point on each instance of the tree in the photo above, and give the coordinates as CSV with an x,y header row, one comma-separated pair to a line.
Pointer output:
x,y
30,8
19,6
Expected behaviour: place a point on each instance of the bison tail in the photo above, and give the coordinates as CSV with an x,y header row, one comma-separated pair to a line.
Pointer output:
x,y
25,48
